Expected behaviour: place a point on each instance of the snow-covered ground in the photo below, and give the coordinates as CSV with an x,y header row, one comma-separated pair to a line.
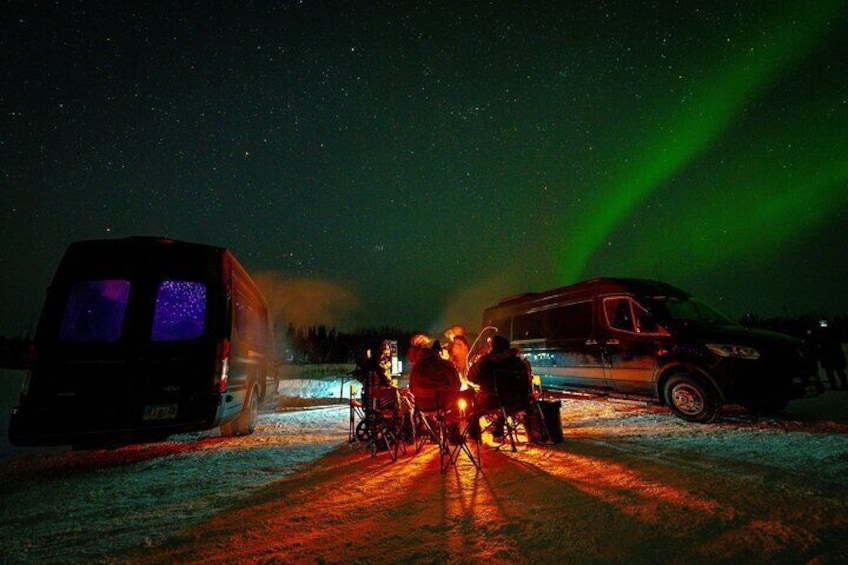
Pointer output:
x,y
79,507
63,506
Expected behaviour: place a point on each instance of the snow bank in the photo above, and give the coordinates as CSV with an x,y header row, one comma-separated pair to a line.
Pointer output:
x,y
327,387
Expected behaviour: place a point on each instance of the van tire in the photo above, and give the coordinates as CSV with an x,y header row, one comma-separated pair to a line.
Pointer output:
x,y
691,399
245,423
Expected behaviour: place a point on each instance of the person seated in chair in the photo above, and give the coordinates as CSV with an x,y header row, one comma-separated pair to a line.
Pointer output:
x,y
433,379
374,369
435,384
490,374
457,348
417,343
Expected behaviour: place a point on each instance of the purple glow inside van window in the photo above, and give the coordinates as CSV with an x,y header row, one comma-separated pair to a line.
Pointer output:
x,y
180,311
95,311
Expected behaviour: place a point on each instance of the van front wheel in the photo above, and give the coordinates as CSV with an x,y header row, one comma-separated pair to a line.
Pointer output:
x,y
690,399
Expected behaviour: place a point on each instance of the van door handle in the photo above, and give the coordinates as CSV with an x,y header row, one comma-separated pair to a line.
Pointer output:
x,y
591,342
613,342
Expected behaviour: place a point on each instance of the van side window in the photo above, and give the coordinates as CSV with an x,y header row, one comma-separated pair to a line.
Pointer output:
x,y
249,322
618,314
243,319
645,321
529,326
180,311
95,311
573,321
629,316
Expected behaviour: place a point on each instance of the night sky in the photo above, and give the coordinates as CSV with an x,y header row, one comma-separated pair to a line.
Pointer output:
x,y
408,163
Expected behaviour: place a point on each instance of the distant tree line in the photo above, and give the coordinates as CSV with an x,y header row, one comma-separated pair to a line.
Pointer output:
x,y
319,344
798,326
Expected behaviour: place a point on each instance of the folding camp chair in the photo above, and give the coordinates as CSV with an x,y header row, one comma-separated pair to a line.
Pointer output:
x,y
408,428
425,418
458,419
446,420
383,420
358,431
514,404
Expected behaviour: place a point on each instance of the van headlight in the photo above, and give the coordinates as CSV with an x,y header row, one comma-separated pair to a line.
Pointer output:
x,y
732,350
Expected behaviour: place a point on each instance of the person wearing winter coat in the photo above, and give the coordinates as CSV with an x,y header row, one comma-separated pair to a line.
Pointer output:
x,y
433,379
374,369
457,349
513,390
435,385
417,344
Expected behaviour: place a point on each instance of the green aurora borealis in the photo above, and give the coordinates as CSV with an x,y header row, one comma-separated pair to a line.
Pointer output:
x,y
755,202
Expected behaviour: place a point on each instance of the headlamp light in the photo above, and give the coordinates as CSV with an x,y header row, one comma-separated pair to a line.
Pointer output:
x,y
732,350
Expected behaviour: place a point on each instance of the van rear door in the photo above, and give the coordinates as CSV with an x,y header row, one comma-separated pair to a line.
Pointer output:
x,y
133,354
88,365
176,352
127,342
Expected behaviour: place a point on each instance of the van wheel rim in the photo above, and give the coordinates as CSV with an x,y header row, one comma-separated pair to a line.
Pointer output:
x,y
688,399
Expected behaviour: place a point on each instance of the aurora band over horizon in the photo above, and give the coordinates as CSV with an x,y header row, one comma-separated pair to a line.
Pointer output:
x,y
688,130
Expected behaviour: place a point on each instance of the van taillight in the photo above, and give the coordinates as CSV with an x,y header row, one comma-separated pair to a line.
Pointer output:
x,y
222,364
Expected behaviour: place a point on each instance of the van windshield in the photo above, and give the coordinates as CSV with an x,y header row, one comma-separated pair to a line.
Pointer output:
x,y
678,310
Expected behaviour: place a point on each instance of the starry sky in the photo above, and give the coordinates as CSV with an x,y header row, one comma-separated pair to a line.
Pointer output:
x,y
408,163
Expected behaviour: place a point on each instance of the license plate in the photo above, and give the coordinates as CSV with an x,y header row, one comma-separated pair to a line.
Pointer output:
x,y
160,412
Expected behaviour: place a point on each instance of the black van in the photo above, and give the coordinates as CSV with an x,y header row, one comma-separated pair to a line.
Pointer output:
x,y
647,340
141,338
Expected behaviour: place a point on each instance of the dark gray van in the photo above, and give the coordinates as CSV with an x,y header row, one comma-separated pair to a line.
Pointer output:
x,y
141,338
647,340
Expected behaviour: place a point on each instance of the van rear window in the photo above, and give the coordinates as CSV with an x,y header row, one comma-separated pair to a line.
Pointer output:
x,y
571,321
180,312
95,311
